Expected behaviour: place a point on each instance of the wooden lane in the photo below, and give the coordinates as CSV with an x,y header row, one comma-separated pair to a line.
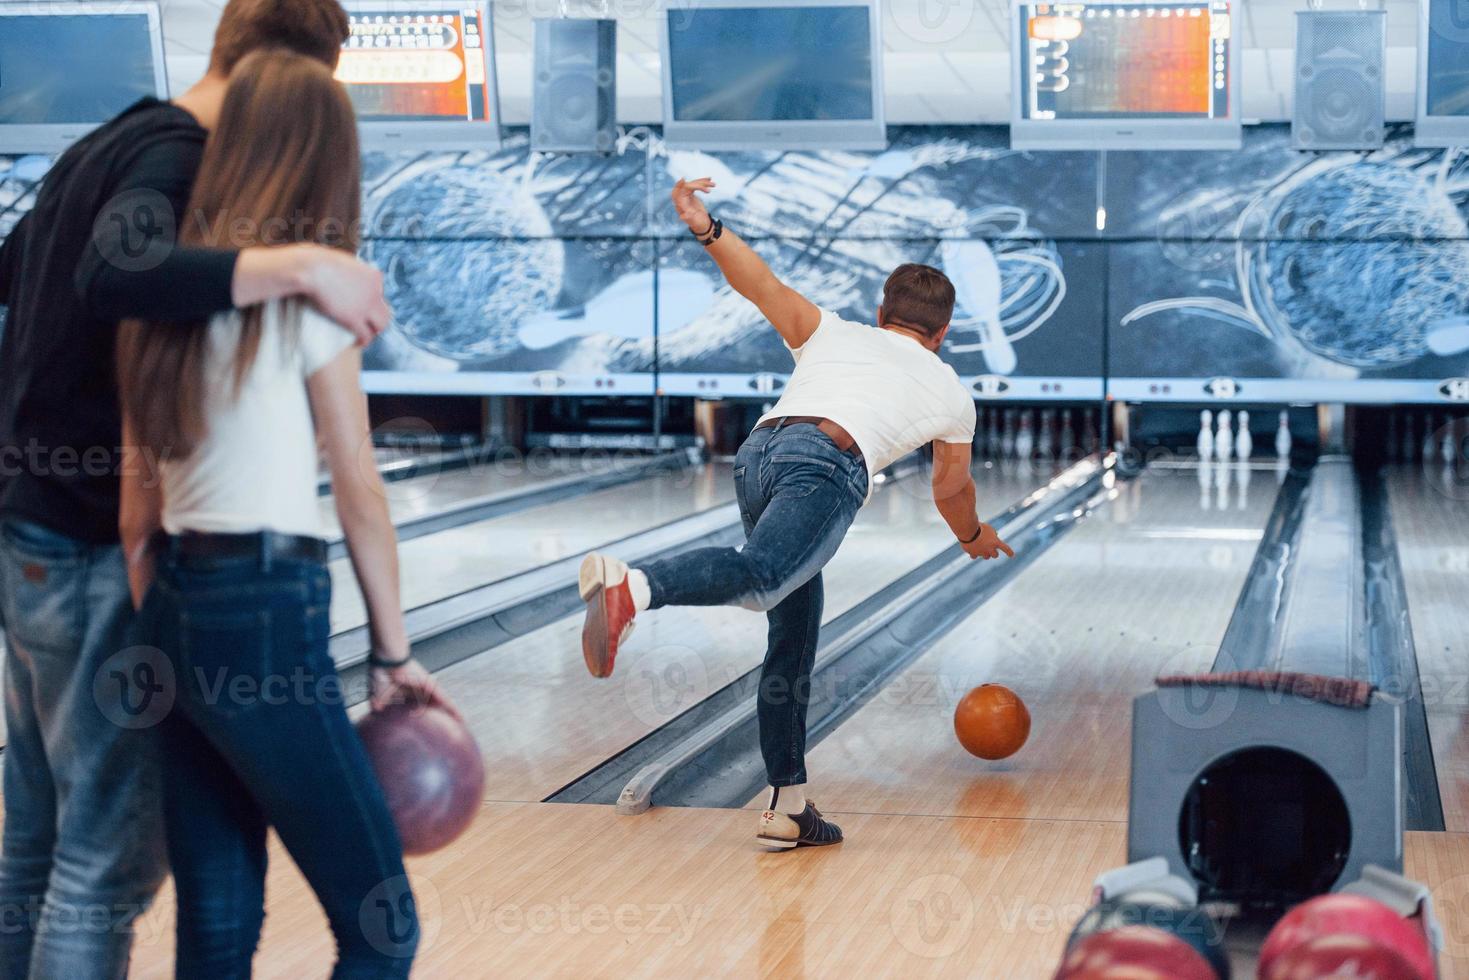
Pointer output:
x,y
434,492
575,891
452,561
1146,585
1430,512
543,721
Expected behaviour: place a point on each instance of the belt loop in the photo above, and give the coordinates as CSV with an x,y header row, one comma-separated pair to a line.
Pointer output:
x,y
780,424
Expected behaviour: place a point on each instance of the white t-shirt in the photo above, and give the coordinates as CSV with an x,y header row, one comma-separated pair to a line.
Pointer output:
x,y
888,391
256,467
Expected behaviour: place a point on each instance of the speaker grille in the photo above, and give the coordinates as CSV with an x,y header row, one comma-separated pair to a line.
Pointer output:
x,y
575,102
1340,99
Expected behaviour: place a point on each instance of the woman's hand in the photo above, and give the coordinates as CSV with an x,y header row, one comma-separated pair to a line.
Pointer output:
x,y
407,683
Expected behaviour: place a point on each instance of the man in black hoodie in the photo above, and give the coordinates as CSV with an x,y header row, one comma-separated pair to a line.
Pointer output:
x,y
83,847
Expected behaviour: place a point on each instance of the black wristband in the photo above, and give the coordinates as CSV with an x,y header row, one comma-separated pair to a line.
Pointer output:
x,y
712,235
374,660
976,535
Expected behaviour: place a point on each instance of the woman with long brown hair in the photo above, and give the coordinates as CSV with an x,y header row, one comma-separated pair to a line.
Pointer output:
x,y
237,590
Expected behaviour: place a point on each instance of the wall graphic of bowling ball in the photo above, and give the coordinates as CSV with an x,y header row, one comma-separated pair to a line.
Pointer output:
x,y
1368,304
466,253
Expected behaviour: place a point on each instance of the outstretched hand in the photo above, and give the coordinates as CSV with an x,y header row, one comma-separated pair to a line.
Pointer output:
x,y
691,210
988,545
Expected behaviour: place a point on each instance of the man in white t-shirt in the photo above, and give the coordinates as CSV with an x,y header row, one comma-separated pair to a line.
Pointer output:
x,y
859,399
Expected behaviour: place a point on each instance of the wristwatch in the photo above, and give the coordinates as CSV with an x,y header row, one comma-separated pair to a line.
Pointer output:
x,y
716,228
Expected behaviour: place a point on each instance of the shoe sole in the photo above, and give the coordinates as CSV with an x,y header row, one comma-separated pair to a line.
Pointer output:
x,y
591,585
786,844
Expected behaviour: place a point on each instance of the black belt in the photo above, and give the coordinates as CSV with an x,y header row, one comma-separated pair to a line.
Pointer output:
x,y
262,546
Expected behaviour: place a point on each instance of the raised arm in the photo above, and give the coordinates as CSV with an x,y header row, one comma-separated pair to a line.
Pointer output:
x,y
793,316
134,267
955,497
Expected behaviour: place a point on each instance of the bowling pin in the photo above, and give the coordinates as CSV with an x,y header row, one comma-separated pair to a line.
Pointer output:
x,y
1024,438
1282,437
1206,483
1046,437
1093,431
1244,442
1224,438
1007,441
1449,448
1223,473
1205,442
1430,445
1068,436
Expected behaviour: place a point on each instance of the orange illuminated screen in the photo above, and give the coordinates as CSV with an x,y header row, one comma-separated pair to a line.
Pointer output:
x,y
423,66
1118,60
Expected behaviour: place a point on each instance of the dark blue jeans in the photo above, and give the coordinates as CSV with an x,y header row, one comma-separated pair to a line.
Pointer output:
x,y
83,852
259,738
798,494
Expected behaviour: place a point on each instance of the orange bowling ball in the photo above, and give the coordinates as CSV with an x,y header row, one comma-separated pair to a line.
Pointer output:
x,y
992,722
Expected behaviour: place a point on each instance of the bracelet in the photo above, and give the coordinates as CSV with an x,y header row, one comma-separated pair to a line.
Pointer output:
x,y
976,535
716,228
374,660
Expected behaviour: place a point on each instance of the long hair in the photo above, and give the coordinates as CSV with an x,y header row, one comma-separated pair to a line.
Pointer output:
x,y
281,167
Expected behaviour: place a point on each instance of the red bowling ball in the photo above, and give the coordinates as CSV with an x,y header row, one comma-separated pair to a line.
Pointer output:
x,y
1350,915
430,769
1340,958
1134,953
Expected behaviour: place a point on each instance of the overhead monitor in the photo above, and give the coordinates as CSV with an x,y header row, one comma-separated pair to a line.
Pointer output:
x,y
422,75
66,68
773,74
1443,74
1103,75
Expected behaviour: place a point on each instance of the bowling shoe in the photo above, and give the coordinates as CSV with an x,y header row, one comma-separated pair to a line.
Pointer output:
x,y
610,611
807,829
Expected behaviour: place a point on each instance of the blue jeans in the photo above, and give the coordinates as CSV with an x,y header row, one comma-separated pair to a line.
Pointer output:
x,y
798,494
259,738
83,842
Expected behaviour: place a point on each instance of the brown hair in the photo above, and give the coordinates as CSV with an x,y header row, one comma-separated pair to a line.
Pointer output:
x,y
918,296
313,28
281,167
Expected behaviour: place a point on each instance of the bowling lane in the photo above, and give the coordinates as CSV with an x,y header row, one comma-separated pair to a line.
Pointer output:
x,y
455,560
511,473
543,721
1430,512
1146,585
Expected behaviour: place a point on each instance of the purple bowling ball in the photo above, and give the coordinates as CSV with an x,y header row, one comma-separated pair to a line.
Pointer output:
x,y
430,769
